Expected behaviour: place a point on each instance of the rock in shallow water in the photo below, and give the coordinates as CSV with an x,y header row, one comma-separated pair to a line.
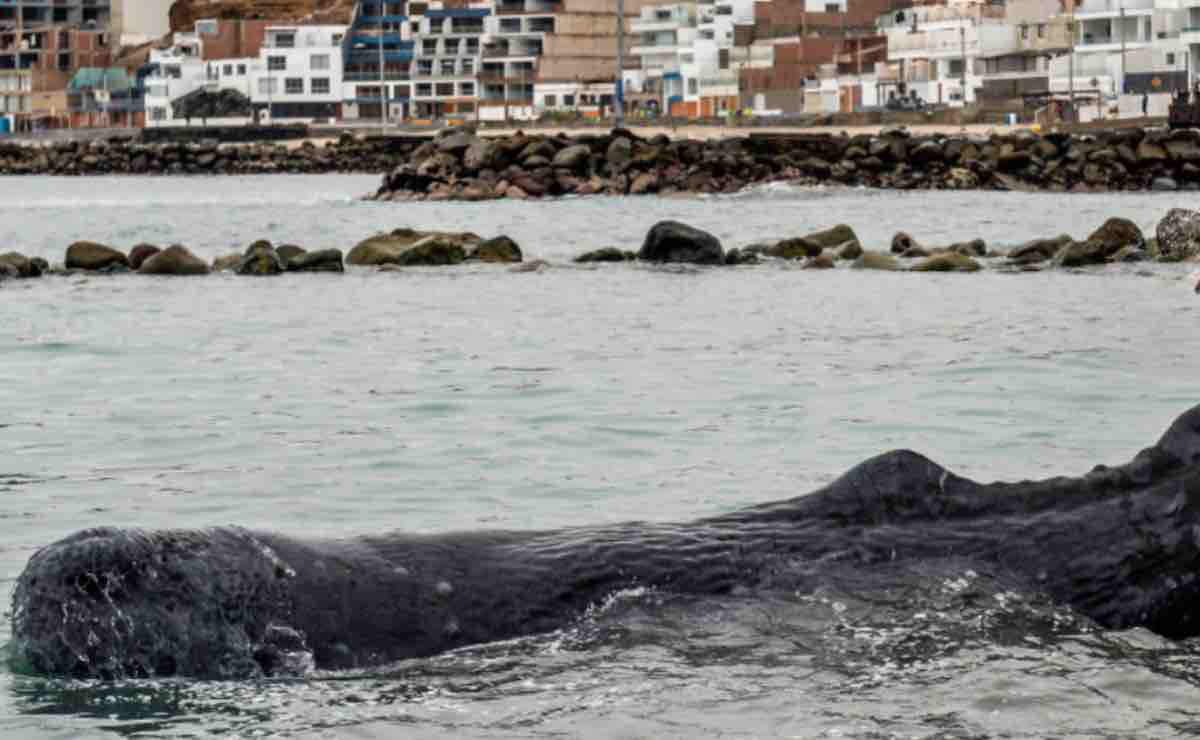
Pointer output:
x,y
86,255
671,241
174,260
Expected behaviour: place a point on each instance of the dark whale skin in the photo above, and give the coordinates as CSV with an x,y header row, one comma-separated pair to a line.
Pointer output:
x,y
1120,545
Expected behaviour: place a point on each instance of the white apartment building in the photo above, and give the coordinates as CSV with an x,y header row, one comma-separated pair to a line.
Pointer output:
x,y
663,39
711,73
447,63
297,76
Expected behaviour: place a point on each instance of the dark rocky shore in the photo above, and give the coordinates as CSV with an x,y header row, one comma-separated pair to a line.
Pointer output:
x,y
1117,240
130,157
460,166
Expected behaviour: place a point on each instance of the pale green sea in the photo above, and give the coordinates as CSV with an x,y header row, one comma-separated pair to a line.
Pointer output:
x,y
470,397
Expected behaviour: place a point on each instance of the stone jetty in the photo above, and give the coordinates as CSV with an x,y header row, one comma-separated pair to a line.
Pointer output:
x,y
458,164
131,157
1117,240
462,166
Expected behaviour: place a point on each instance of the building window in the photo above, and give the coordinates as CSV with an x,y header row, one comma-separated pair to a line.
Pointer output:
x,y
693,87
568,101
429,47
337,39
424,90
451,47
294,86
551,101
319,62
267,86
466,89
445,89
207,28
285,41
241,70
400,92
276,64
832,8
158,114
228,70
447,66
1041,30
1170,60
320,86
1024,32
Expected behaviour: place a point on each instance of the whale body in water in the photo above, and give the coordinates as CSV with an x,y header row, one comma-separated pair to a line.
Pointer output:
x,y
1120,545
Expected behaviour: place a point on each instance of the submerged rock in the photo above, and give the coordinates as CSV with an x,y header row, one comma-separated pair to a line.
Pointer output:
x,y
227,262
607,254
321,260
947,262
876,261
1038,250
671,241
409,247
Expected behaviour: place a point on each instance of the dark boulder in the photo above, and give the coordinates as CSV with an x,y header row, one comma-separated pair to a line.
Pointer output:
x,y
140,253
289,252
1178,235
1116,233
260,259
93,256
23,266
174,260
320,260
1038,250
497,249
607,254
671,241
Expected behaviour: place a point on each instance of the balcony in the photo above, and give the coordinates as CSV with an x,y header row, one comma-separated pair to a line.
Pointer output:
x,y
1189,35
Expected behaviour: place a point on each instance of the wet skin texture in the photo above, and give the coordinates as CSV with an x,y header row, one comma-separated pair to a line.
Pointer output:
x,y
1120,545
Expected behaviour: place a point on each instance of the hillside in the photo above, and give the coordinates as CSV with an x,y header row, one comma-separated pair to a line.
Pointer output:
x,y
184,13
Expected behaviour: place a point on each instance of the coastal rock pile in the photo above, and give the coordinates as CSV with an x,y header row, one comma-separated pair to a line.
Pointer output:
x,y
458,165
347,154
1117,240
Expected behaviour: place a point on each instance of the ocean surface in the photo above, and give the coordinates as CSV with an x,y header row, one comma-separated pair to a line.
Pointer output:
x,y
470,397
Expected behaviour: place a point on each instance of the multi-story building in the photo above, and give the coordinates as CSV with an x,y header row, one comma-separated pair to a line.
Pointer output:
x,y
541,55
135,22
37,61
447,66
284,72
712,86
378,55
663,38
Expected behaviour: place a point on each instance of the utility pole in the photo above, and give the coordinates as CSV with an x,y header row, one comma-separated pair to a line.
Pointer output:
x,y
1071,59
962,52
1122,48
619,97
383,96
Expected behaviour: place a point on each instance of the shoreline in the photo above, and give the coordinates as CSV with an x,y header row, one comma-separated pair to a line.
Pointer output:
x,y
459,164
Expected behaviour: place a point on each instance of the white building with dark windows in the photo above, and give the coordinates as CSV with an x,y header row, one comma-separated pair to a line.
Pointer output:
x,y
296,77
298,74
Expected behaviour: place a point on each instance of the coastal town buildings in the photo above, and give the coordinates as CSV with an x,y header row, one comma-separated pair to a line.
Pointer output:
x,y
42,45
289,73
136,22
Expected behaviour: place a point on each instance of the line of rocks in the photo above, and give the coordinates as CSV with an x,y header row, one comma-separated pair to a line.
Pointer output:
x,y
1117,240
458,165
348,154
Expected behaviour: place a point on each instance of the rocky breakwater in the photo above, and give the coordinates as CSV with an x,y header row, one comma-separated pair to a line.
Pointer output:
x,y
347,155
458,165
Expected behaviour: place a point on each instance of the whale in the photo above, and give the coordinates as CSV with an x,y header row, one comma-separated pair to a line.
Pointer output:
x,y
1119,545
